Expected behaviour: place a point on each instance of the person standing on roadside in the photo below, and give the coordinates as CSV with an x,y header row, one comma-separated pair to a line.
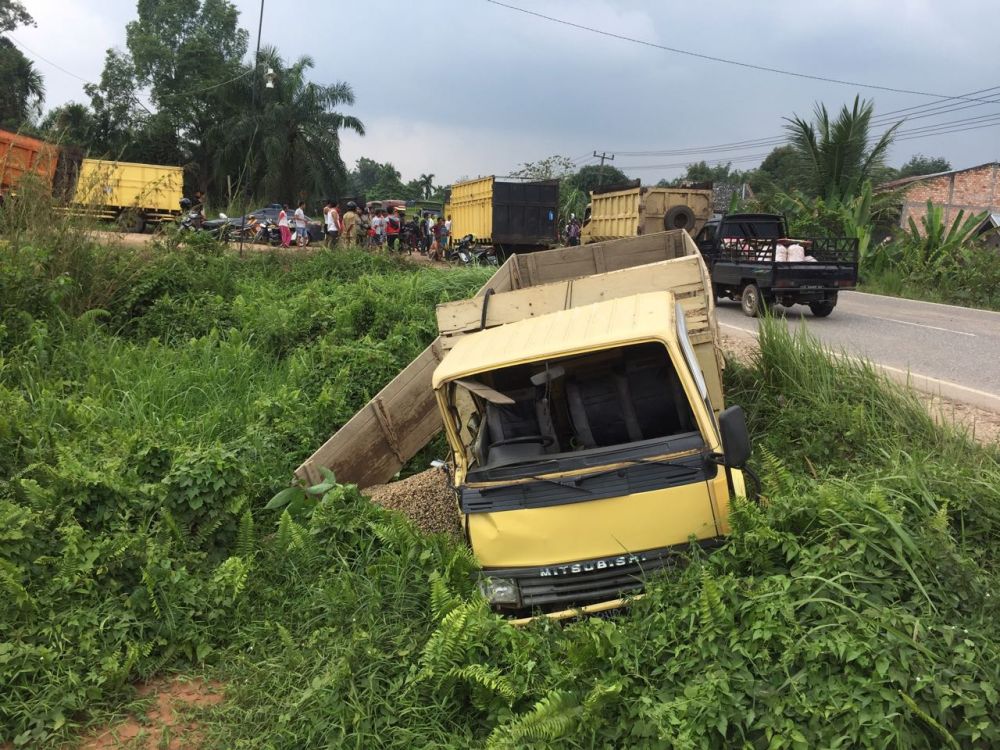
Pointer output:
x,y
378,228
431,223
300,224
442,235
283,227
349,224
392,227
573,231
447,226
425,243
333,224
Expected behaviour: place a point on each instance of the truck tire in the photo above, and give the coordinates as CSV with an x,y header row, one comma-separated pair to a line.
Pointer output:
x,y
679,217
132,221
822,308
752,301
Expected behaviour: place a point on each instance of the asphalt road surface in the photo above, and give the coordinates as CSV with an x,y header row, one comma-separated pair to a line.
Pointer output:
x,y
954,344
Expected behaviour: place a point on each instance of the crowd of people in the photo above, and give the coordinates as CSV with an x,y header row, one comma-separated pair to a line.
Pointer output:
x,y
386,227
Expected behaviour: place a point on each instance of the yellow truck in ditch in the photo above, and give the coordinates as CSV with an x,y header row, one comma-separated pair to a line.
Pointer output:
x,y
581,396
631,211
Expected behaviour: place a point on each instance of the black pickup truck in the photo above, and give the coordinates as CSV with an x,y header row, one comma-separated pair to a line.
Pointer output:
x,y
752,259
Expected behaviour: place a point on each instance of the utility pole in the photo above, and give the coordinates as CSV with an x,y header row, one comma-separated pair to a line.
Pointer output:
x,y
602,156
253,107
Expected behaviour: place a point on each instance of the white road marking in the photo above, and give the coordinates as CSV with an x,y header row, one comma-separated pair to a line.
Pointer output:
x,y
925,383
921,325
737,328
923,302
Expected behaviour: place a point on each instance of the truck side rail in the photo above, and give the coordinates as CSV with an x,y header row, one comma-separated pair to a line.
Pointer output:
x,y
403,417
751,250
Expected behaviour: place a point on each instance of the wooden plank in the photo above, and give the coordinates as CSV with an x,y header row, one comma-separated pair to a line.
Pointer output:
x,y
359,452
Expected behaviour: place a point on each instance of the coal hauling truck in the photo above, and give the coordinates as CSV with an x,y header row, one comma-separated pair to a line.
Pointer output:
x,y
133,195
581,396
511,215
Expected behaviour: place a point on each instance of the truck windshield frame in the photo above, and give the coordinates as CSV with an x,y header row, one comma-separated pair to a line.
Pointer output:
x,y
669,428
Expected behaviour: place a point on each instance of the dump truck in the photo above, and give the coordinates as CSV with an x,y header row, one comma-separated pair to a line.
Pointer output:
x,y
135,195
513,216
631,210
581,395
21,155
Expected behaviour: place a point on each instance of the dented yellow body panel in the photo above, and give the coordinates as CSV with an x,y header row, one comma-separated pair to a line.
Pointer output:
x,y
606,528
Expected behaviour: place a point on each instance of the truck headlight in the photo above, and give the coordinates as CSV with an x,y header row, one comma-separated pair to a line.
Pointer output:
x,y
500,590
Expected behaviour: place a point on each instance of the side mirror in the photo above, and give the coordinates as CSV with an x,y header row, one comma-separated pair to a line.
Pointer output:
x,y
735,436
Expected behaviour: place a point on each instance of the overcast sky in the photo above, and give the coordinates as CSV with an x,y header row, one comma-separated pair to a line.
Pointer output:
x,y
466,88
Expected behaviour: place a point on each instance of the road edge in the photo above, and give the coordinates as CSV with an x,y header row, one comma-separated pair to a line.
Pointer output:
x,y
923,383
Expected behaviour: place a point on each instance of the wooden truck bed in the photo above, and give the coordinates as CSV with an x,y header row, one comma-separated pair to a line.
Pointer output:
x,y
403,417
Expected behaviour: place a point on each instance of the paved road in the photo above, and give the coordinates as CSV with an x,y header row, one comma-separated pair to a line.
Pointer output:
x,y
947,343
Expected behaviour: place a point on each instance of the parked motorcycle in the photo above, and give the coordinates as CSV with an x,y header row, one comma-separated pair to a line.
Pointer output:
x,y
468,253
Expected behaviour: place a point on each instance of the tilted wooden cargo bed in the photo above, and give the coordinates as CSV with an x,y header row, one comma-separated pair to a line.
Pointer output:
x,y
403,417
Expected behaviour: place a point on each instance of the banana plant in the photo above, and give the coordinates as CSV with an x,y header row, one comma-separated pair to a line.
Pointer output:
x,y
940,244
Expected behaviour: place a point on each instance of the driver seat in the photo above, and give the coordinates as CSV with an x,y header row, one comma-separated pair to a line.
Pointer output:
x,y
528,415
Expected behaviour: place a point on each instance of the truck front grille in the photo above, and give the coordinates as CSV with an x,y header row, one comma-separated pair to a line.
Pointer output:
x,y
554,587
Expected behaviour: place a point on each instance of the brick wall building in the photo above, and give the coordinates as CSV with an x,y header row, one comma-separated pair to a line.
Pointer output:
x,y
974,190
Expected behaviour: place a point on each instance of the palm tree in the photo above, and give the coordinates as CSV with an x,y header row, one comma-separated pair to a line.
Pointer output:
x,y
837,156
295,132
426,183
23,92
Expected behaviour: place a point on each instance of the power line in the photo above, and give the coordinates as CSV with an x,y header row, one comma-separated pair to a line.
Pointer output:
x,y
193,92
904,136
779,139
724,60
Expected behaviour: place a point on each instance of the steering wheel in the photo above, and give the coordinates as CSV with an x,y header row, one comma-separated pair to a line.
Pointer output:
x,y
545,440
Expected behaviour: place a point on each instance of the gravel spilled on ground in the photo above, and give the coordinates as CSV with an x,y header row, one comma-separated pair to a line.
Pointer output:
x,y
425,498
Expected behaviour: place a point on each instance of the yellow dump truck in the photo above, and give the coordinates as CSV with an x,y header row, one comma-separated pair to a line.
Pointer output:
x,y
135,195
581,395
510,215
643,210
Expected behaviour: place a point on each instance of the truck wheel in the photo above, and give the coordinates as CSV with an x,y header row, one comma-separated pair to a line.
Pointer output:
x,y
679,217
132,221
752,301
823,308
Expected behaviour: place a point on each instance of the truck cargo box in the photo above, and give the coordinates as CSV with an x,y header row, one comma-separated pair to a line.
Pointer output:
x,y
403,417
644,210
154,191
505,213
22,155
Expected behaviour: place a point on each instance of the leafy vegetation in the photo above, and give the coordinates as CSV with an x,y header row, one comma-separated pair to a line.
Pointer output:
x,y
150,404
937,260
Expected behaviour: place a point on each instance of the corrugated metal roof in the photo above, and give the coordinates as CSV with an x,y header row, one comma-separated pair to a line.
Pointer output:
x,y
893,184
602,325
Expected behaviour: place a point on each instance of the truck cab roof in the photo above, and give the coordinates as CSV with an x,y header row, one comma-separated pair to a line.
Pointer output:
x,y
639,317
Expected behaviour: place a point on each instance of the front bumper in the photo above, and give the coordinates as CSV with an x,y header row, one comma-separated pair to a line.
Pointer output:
x,y
594,585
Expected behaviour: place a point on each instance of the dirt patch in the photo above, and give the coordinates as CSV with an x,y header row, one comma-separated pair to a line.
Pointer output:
x,y
982,425
164,724
425,498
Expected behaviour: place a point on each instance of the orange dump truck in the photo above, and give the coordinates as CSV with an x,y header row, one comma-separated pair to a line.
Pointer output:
x,y
134,195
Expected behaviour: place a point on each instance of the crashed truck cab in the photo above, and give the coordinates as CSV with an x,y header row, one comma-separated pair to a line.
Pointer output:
x,y
587,452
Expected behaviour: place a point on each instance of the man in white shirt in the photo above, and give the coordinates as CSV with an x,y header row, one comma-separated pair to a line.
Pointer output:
x,y
447,225
300,224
